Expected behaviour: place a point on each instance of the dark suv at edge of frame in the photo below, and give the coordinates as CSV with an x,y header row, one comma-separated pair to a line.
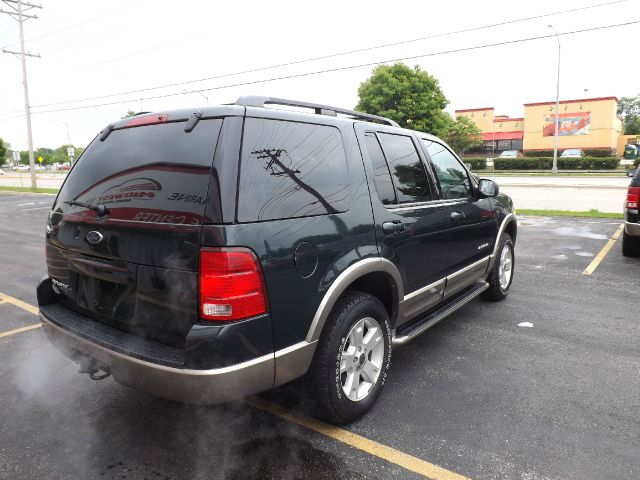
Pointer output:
x,y
631,233
208,255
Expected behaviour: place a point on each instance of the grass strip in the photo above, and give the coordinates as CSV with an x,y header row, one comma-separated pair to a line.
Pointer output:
x,y
568,213
28,189
529,173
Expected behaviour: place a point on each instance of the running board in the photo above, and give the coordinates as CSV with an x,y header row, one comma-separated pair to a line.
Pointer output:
x,y
411,330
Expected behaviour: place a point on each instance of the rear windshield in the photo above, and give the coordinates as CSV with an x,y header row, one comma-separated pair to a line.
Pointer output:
x,y
155,173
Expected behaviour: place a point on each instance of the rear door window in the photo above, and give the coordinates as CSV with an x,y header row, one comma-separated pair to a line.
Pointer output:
x,y
381,175
452,176
291,169
154,173
408,172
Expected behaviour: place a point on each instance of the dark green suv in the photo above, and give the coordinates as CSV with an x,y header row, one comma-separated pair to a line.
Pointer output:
x,y
208,255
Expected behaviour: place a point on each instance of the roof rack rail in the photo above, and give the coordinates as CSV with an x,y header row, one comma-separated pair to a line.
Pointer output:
x,y
258,101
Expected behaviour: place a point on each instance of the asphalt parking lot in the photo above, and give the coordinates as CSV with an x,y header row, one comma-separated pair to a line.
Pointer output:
x,y
478,395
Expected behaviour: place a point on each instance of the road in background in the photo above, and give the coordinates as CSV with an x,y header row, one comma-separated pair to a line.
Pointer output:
x,y
46,180
478,394
579,194
606,194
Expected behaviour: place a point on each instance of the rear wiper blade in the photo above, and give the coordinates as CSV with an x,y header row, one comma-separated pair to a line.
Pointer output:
x,y
99,208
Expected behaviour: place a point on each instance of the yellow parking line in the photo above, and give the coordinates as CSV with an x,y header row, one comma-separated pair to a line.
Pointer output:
x,y
4,298
20,330
18,303
389,454
603,253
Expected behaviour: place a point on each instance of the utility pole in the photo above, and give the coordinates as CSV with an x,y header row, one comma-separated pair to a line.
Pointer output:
x,y
17,12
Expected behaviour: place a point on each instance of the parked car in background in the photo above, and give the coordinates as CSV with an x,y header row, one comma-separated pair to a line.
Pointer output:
x,y
511,154
631,234
572,153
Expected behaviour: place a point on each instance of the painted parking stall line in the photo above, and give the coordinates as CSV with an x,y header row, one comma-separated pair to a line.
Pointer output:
x,y
404,460
603,253
19,330
4,298
18,303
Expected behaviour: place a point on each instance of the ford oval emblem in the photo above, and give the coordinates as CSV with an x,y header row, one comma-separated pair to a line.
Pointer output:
x,y
94,238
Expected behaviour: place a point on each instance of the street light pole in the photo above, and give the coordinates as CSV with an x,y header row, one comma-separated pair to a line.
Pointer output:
x,y
68,138
554,169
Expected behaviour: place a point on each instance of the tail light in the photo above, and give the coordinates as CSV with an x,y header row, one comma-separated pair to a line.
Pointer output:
x,y
231,284
633,197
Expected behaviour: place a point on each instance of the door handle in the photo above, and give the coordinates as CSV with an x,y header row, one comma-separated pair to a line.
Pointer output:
x,y
455,216
392,227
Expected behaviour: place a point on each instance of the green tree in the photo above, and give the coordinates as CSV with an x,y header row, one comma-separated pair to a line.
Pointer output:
x,y
411,97
629,109
60,154
462,134
45,153
129,114
3,152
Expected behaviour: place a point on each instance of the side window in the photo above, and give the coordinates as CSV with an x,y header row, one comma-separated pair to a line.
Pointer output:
x,y
290,170
381,175
406,168
453,178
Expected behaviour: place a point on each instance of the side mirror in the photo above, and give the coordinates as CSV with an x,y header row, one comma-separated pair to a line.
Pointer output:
x,y
488,188
631,173
468,165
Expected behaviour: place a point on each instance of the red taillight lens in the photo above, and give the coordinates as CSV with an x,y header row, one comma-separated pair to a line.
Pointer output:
x,y
633,197
231,285
147,120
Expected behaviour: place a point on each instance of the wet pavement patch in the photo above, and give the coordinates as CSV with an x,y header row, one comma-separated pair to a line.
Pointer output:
x,y
283,457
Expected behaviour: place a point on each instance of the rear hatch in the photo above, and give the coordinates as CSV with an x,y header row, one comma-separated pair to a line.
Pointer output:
x,y
135,267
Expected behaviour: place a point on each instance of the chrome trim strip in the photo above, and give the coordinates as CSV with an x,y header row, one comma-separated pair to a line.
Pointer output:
x,y
339,285
455,275
503,226
465,277
421,291
434,204
420,301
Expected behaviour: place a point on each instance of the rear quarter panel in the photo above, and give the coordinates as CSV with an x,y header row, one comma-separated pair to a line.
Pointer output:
x,y
339,240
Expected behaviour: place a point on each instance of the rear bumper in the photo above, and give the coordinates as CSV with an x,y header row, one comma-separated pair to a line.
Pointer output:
x,y
199,387
632,229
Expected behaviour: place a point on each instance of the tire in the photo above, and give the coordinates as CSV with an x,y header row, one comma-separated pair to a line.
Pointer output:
x,y
337,359
630,245
498,290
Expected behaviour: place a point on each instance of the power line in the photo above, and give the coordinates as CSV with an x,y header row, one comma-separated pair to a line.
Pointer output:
x,y
339,54
349,67
68,27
